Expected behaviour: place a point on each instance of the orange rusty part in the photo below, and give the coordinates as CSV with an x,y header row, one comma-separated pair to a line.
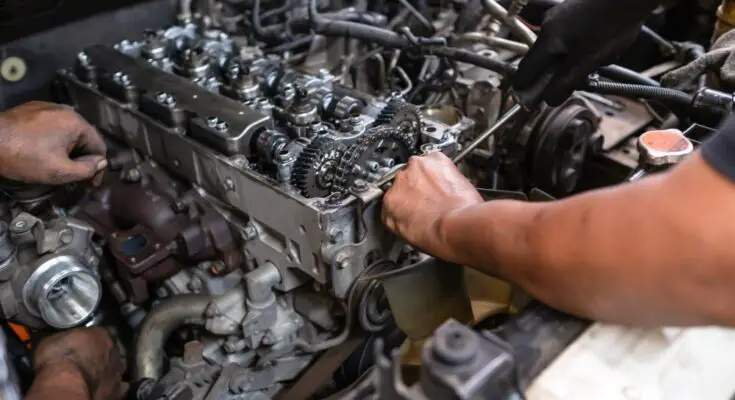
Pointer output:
x,y
665,141
22,333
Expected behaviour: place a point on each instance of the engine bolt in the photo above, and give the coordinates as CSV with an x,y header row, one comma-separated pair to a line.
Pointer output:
x,y
360,185
195,285
20,225
180,206
229,184
132,175
342,260
212,122
373,165
218,267
334,234
222,126
161,97
455,346
250,232
83,58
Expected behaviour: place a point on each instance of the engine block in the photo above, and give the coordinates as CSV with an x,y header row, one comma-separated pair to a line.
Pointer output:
x,y
231,176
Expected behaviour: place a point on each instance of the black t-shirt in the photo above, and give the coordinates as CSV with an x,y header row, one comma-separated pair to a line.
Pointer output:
x,y
719,150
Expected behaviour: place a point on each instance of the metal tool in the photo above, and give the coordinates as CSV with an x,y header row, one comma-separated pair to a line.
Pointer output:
x,y
512,113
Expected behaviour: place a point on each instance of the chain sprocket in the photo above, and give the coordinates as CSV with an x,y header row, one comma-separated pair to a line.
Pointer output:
x,y
314,170
376,147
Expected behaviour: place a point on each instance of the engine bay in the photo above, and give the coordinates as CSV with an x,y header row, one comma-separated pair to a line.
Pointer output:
x,y
234,245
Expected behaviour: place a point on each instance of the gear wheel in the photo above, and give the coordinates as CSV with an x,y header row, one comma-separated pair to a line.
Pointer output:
x,y
392,108
407,118
378,146
314,169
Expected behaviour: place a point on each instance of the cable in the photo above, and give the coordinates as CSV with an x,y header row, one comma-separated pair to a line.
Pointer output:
x,y
618,73
664,95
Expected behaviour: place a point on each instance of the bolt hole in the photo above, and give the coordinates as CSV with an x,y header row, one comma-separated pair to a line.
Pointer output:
x,y
610,113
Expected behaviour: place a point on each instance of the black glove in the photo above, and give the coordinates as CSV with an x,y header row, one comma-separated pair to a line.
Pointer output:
x,y
576,37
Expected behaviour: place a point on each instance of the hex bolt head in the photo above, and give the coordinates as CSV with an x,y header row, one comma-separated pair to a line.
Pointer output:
x,y
454,345
342,260
161,97
212,122
132,175
360,185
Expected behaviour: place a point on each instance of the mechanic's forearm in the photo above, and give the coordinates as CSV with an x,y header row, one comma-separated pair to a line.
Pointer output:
x,y
624,255
58,381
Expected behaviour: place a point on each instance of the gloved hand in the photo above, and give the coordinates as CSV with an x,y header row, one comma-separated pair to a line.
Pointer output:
x,y
37,139
423,194
576,37
90,352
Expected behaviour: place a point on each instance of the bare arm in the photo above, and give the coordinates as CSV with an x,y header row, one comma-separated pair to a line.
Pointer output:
x,y
659,251
59,381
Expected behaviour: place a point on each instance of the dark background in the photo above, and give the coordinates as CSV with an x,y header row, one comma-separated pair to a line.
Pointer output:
x,y
47,35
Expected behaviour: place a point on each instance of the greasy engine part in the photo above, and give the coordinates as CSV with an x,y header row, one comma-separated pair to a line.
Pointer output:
x,y
49,272
560,146
244,140
154,228
459,362
205,194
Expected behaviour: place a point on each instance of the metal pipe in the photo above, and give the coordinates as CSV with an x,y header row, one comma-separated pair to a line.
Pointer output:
x,y
160,323
185,10
514,24
492,41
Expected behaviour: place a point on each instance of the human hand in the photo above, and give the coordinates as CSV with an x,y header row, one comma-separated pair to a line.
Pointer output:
x,y
37,139
92,352
428,190
577,37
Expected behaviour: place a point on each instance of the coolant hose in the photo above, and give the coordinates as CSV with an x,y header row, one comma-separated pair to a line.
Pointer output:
x,y
618,73
664,95
158,325
336,28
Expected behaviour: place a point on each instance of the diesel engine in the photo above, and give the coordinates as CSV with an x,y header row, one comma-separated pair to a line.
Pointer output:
x,y
234,244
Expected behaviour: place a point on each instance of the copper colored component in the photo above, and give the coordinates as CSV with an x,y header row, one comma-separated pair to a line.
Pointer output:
x,y
153,230
725,19
658,148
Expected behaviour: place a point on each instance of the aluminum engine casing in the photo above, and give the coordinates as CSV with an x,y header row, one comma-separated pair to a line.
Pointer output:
x,y
203,196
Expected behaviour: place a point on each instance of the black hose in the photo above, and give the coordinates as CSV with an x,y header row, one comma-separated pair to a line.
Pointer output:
x,y
275,12
664,95
618,73
271,32
293,45
386,38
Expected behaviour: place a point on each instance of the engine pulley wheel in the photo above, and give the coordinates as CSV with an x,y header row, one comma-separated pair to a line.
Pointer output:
x,y
559,151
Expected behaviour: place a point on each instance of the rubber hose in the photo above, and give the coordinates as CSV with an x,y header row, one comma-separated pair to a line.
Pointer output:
x,y
618,73
664,95
386,38
292,45
158,325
